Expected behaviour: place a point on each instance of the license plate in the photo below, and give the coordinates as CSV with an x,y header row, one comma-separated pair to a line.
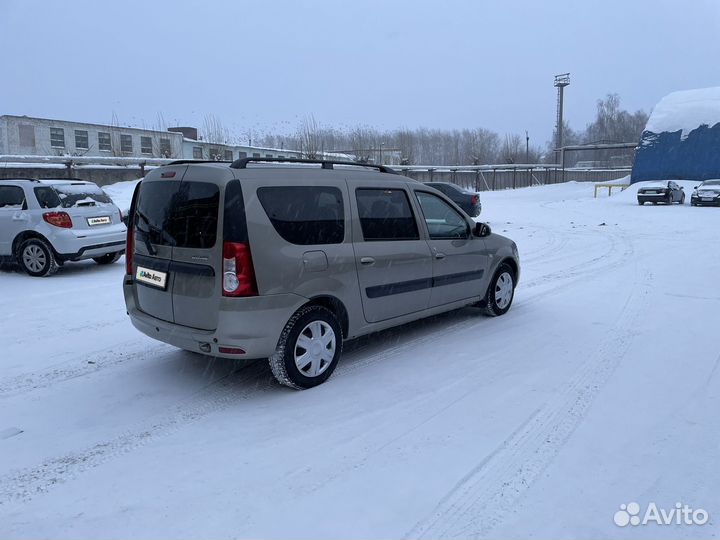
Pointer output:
x,y
100,220
708,199
154,278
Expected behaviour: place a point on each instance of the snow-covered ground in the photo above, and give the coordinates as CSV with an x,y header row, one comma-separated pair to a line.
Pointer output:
x,y
599,388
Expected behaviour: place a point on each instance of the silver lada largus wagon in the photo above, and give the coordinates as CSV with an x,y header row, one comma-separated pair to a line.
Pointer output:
x,y
285,259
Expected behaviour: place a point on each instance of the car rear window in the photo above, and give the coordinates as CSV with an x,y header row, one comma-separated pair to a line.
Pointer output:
x,y
81,195
385,214
305,215
179,214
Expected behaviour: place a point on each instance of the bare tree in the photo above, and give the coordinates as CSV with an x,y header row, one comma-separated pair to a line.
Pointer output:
x,y
214,130
310,138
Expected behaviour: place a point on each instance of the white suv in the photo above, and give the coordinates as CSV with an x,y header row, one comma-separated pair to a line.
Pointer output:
x,y
44,223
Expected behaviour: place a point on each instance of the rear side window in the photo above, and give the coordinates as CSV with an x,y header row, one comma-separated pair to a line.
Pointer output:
x,y
179,214
305,215
12,197
234,223
385,214
47,197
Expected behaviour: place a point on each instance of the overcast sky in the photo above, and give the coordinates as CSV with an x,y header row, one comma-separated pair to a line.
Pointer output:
x,y
263,66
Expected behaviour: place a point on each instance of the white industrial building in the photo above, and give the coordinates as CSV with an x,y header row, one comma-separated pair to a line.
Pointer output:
x,y
28,136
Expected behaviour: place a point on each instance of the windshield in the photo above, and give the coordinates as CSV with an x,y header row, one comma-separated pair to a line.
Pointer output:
x,y
711,183
81,195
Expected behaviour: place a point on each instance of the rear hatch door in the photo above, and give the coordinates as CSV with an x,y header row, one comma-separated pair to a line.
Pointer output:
x,y
197,255
153,243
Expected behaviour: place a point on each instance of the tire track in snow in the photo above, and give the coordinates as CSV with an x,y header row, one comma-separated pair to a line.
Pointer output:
x,y
80,366
491,489
228,390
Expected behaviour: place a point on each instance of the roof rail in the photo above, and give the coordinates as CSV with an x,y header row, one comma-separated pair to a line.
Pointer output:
x,y
326,163
187,161
21,179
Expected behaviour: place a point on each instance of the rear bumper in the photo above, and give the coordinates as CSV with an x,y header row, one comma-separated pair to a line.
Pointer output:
x,y
73,245
253,324
653,198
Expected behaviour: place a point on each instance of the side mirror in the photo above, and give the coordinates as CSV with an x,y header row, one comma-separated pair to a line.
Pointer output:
x,y
482,230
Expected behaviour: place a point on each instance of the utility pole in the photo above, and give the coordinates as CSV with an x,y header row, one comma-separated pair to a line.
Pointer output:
x,y
527,147
561,81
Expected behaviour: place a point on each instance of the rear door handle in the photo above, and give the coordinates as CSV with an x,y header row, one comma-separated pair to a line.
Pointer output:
x,y
439,255
367,260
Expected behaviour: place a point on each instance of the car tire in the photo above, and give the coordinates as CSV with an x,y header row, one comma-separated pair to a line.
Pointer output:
x,y
312,326
108,258
641,203
682,199
36,258
498,297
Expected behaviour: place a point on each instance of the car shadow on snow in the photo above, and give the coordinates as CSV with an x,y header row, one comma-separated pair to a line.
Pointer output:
x,y
244,377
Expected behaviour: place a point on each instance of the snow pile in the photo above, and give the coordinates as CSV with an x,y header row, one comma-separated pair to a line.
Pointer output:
x,y
685,111
121,193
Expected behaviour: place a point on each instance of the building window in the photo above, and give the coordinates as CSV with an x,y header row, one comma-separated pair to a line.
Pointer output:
x,y
214,153
57,137
281,157
81,139
197,152
146,145
242,155
165,150
268,155
228,155
256,154
27,135
126,143
104,143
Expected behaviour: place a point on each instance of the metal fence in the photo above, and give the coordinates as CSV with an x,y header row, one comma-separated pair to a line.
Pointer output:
x,y
497,177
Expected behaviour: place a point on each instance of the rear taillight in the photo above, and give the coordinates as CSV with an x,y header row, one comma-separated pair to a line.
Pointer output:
x,y
129,250
474,199
238,272
58,219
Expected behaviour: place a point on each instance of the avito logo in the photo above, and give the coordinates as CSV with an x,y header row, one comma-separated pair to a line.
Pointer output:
x,y
680,514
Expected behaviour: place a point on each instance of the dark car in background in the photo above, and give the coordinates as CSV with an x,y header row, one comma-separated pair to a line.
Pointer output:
x,y
467,200
666,192
706,194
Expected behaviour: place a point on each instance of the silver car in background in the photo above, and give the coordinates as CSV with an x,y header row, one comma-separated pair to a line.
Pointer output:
x,y
45,223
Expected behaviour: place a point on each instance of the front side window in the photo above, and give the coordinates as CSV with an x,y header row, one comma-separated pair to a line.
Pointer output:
x,y
57,137
180,214
385,214
305,215
126,143
81,139
146,145
104,141
442,220
12,197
